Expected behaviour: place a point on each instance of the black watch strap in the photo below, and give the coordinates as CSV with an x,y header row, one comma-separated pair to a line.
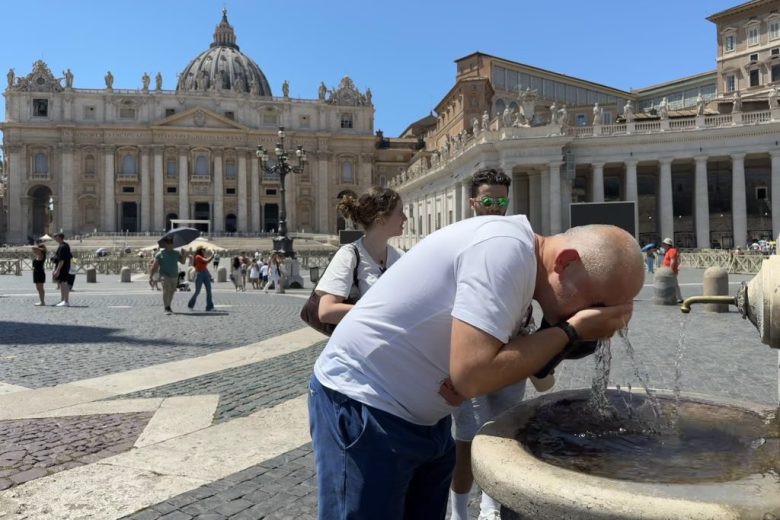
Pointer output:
x,y
570,331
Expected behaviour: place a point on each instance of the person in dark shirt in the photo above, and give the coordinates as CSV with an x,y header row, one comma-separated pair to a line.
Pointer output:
x,y
62,269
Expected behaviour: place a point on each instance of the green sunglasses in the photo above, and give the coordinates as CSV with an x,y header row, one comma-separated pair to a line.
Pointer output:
x,y
501,202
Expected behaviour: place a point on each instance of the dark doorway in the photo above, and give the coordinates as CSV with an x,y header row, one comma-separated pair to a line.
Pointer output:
x,y
231,223
168,218
42,211
129,219
202,212
270,217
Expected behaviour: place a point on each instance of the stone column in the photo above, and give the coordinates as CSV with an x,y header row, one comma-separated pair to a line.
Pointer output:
x,y
534,201
555,197
511,208
465,203
159,211
738,201
17,218
544,199
254,195
66,189
701,203
665,201
597,183
146,224
184,184
458,202
25,217
219,193
241,192
323,199
566,202
632,193
775,176
109,202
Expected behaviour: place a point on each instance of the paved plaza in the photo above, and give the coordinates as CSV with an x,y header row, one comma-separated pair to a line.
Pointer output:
x,y
110,409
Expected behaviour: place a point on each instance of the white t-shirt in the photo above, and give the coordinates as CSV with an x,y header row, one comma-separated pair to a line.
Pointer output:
x,y
338,277
392,351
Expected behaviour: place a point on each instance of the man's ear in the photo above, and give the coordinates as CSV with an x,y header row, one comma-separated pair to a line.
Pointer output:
x,y
564,258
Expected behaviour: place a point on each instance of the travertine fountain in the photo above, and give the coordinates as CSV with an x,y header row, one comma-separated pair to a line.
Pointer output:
x,y
718,459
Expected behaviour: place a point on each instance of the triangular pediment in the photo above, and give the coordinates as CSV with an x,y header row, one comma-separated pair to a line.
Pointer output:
x,y
199,117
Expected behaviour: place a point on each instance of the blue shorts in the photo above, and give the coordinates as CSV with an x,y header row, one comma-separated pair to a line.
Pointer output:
x,y
372,464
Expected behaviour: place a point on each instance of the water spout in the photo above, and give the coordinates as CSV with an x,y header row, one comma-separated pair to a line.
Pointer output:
x,y
685,308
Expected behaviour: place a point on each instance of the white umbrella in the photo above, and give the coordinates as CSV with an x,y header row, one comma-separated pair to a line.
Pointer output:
x,y
46,237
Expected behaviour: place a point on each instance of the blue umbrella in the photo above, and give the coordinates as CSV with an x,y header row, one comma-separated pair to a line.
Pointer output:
x,y
647,247
181,236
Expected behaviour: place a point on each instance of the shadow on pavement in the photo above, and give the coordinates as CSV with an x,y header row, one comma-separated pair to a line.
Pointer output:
x,y
21,333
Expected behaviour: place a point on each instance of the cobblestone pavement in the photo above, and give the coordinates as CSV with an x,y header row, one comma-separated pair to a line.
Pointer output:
x,y
121,328
34,448
247,389
721,355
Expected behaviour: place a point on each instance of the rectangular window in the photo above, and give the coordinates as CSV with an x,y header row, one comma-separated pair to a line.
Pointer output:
x,y
170,189
89,113
270,192
753,36
606,118
128,189
774,30
230,191
775,73
41,107
754,57
761,193
731,83
775,51
170,168
582,120
755,78
126,113
230,169
729,43
230,115
346,120
169,112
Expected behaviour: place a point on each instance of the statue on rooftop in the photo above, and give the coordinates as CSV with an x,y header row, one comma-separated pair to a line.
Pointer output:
x,y
628,112
553,113
68,78
109,80
485,121
737,103
663,108
773,98
286,89
11,77
322,91
158,82
145,82
598,114
700,104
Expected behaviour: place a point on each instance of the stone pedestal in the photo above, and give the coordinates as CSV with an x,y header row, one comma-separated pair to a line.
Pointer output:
x,y
716,283
124,275
294,278
222,274
665,287
91,275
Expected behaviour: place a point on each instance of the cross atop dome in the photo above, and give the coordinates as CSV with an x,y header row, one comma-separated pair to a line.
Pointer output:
x,y
224,36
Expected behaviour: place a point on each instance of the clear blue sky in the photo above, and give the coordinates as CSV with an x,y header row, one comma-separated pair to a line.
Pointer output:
x,y
403,50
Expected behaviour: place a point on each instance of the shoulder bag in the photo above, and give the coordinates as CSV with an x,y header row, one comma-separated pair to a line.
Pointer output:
x,y
311,309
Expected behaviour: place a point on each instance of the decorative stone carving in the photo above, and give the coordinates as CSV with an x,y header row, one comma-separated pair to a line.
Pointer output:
x,y
700,103
158,82
737,102
368,97
519,120
199,118
485,121
663,108
347,94
323,90
553,114
68,78
145,82
39,80
286,89
475,126
773,98
563,116
628,112
507,117
528,99
109,80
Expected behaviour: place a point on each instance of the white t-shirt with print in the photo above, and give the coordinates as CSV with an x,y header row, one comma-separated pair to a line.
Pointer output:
x,y
392,350
338,277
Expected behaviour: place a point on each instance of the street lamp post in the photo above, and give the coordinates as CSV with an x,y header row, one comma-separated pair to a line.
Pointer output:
x,y
282,167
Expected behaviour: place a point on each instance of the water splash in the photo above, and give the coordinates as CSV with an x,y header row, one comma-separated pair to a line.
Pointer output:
x,y
677,388
652,398
599,402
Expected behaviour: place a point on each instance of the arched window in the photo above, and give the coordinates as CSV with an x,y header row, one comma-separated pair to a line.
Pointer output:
x,y
89,165
128,164
347,175
201,165
41,163
513,107
230,169
500,106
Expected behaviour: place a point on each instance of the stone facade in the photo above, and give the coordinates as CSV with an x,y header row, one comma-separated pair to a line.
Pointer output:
x,y
700,170
107,160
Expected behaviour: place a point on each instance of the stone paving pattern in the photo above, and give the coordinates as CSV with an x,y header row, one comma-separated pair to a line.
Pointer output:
x,y
247,389
107,333
34,448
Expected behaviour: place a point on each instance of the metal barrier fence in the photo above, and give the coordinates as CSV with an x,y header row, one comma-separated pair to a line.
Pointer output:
x,y
749,263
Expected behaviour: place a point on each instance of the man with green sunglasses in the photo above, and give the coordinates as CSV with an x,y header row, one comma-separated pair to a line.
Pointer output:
x,y
490,192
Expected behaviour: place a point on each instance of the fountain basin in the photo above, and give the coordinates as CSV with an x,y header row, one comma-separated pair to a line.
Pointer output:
x,y
539,487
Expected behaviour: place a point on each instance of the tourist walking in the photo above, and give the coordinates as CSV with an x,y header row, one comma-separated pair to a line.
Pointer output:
x,y
202,278
447,310
166,262
672,261
235,273
62,270
39,271
254,274
650,260
276,273
380,213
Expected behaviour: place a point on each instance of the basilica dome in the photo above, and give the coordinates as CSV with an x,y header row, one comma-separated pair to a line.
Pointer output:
x,y
223,67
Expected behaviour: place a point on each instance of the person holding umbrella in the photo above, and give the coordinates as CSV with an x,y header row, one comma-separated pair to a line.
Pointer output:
x,y
167,263
202,277
649,251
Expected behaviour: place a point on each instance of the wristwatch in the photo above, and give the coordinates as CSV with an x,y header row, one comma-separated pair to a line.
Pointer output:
x,y
570,331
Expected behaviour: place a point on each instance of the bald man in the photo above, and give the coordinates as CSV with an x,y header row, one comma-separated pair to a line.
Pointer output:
x,y
379,411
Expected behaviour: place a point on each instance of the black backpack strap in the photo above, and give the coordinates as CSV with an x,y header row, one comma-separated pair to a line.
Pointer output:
x,y
357,264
